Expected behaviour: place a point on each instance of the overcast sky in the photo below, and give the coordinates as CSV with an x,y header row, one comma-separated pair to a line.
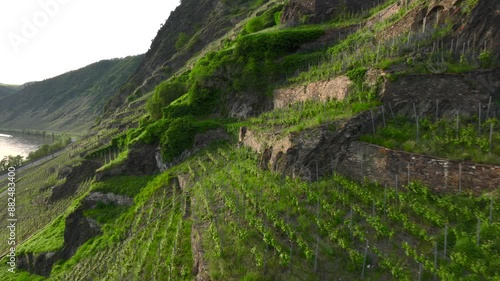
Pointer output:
x,y
44,38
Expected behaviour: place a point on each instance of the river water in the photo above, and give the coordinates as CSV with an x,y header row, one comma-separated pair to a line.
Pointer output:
x,y
20,144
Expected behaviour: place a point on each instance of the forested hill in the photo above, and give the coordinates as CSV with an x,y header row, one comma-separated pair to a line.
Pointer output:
x,y
70,102
7,89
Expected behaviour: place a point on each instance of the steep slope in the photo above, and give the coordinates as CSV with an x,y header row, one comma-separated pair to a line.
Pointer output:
x,y
70,102
188,30
8,89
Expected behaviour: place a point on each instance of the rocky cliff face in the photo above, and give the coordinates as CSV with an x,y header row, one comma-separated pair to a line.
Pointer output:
x,y
316,152
75,176
316,11
201,21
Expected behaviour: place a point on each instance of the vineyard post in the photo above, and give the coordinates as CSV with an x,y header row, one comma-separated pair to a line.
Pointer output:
x,y
408,172
242,206
435,259
479,121
350,221
445,238
392,112
383,115
478,235
364,261
491,210
458,123
460,177
373,207
317,172
361,165
488,110
397,193
491,138
418,128
415,112
437,109
316,254
378,50
373,123
385,199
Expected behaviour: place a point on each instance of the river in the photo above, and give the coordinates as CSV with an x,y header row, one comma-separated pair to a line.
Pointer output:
x,y
20,144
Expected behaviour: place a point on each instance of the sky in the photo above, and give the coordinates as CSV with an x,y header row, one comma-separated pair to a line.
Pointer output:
x,y
40,39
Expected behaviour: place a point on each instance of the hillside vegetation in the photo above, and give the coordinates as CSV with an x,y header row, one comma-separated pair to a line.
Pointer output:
x,y
70,102
200,170
8,89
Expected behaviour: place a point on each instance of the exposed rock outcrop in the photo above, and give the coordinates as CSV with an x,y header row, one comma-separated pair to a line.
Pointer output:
x,y
297,154
40,264
201,141
79,229
203,21
318,151
141,161
107,198
380,164
74,178
316,11
337,88
451,93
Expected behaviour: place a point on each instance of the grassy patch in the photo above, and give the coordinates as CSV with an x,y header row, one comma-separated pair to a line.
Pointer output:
x,y
50,239
122,185
456,140
104,213
122,157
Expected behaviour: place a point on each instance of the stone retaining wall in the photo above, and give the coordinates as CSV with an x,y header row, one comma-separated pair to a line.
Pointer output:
x,y
382,165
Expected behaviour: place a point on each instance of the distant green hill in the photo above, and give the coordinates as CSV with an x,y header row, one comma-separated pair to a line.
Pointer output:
x,y
69,102
8,89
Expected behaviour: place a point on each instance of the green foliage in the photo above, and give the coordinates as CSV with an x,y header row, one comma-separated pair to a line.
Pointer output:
x,y
181,133
357,75
266,20
178,137
71,101
165,93
485,59
122,185
277,17
255,24
204,100
468,5
277,211
277,42
181,41
300,61
11,161
48,149
441,138
299,116
50,239
152,132
104,213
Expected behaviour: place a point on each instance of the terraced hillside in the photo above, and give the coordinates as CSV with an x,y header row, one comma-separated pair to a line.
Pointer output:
x,y
257,159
